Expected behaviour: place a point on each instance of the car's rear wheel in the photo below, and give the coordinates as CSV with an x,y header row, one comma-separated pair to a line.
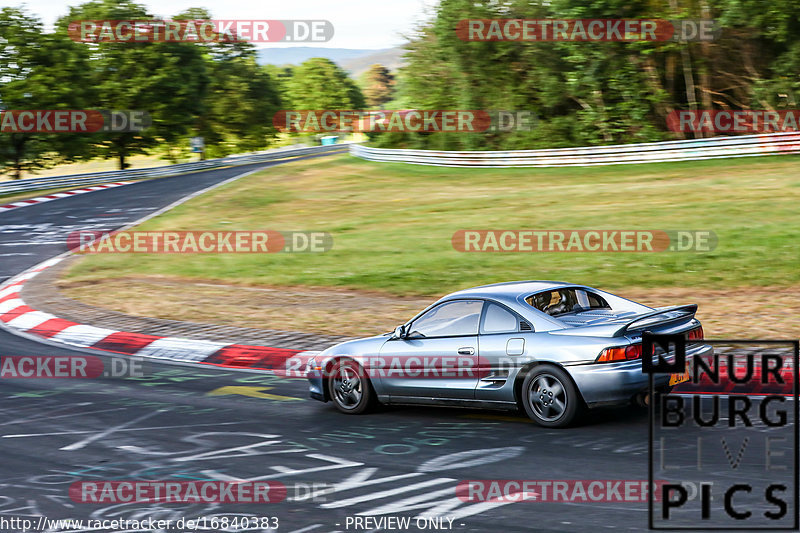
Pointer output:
x,y
349,388
549,397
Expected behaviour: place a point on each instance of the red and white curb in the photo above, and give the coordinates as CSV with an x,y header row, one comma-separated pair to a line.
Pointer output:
x,y
17,316
56,196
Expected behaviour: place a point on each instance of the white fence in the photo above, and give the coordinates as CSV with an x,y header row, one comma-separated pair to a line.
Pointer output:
x,y
690,150
79,180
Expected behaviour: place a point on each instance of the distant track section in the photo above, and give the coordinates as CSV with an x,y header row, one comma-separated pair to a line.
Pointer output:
x,y
56,196
75,180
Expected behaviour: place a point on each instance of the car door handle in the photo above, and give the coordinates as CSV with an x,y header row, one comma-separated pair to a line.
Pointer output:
x,y
467,350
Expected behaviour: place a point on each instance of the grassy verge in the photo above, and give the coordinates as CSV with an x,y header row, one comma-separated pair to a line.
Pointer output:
x,y
392,225
764,313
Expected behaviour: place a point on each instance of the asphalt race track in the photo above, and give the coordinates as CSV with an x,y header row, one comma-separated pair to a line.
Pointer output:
x,y
189,423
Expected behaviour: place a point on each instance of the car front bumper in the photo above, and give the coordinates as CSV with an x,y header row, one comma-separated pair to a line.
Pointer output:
x,y
316,385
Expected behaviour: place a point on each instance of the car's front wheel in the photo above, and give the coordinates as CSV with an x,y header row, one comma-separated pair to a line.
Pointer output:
x,y
549,397
349,388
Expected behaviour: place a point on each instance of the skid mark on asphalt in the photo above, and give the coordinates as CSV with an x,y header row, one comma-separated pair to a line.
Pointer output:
x,y
102,434
152,428
356,476
50,415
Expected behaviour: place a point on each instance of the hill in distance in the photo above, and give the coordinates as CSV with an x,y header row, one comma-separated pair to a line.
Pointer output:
x,y
353,60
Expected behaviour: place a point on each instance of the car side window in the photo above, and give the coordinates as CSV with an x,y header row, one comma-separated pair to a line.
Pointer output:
x,y
450,319
566,300
498,320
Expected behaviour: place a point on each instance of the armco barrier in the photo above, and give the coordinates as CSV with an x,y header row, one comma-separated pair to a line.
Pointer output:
x,y
689,150
38,184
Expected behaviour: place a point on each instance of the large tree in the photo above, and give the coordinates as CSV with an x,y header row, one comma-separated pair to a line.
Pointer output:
x,y
240,104
40,71
167,80
319,83
240,99
280,76
601,92
378,84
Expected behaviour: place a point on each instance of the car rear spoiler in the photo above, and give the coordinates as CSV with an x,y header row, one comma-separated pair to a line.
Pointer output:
x,y
660,317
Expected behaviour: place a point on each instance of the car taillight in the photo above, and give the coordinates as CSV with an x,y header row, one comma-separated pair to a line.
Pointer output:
x,y
620,353
634,351
696,334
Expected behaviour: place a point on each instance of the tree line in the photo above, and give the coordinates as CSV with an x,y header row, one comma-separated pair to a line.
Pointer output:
x,y
590,93
213,90
582,93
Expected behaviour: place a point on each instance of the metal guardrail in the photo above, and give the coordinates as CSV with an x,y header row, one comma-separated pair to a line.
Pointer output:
x,y
38,184
688,150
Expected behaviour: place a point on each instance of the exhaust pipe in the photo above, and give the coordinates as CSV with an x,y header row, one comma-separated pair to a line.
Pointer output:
x,y
642,399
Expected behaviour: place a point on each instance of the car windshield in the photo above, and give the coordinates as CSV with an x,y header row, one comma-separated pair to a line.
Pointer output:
x,y
566,300
449,319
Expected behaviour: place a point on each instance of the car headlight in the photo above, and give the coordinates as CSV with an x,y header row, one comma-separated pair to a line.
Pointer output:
x,y
311,364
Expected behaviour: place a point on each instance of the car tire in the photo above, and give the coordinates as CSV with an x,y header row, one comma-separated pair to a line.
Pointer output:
x,y
349,388
550,398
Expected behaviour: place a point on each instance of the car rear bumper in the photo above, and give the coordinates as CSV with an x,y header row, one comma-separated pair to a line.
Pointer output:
x,y
612,383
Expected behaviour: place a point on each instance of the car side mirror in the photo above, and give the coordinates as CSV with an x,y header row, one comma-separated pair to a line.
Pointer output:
x,y
399,332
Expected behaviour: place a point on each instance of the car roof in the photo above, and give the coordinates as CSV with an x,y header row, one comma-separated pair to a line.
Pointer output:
x,y
513,295
510,289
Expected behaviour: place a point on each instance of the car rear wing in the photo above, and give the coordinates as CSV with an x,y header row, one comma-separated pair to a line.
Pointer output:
x,y
660,317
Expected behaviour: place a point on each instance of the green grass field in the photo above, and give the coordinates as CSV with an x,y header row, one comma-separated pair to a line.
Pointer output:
x,y
392,225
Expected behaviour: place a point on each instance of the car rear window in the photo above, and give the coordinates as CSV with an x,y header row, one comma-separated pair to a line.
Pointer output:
x,y
566,300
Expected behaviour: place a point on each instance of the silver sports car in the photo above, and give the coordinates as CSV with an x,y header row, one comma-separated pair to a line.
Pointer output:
x,y
550,348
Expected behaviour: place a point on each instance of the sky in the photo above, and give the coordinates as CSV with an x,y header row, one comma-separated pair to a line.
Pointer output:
x,y
357,23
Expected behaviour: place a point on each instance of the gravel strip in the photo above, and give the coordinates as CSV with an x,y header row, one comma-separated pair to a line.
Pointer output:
x,y
42,294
